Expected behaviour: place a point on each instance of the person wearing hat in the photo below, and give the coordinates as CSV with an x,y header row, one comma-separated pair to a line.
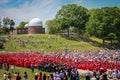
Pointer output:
x,y
36,76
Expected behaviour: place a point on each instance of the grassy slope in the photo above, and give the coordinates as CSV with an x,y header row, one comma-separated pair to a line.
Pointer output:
x,y
56,42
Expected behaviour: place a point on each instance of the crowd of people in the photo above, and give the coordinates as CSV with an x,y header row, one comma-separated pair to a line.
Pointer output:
x,y
42,76
64,64
17,76
81,60
71,74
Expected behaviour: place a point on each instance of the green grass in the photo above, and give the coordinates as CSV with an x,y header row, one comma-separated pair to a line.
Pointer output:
x,y
57,43
101,41
21,70
96,39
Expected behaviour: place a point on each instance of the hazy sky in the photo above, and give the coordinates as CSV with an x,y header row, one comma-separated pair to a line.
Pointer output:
x,y
25,10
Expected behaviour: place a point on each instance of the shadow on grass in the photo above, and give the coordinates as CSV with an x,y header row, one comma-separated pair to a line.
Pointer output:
x,y
107,45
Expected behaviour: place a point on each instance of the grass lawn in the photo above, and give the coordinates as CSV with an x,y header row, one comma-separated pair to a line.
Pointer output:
x,y
96,39
46,42
29,72
101,41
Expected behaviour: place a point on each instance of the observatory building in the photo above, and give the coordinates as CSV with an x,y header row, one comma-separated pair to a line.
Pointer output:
x,y
34,26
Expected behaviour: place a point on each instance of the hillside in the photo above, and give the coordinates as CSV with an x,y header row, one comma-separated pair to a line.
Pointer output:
x,y
44,42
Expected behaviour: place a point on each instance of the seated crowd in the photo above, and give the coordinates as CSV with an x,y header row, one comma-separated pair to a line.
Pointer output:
x,y
81,60
66,63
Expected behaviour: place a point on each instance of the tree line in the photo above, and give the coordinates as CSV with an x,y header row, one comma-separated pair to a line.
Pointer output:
x,y
102,22
7,26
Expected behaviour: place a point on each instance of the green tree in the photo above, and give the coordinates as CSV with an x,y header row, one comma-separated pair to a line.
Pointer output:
x,y
80,17
4,30
64,16
11,23
72,15
6,21
117,26
103,22
93,26
21,24
8,25
52,26
111,36
1,43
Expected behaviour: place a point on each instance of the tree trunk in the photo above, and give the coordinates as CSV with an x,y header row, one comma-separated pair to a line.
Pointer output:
x,y
103,42
119,43
68,32
79,32
111,42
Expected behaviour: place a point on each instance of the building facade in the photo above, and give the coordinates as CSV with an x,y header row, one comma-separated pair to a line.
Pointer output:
x,y
34,26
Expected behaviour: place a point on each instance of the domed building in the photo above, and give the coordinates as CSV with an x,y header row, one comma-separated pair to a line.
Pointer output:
x,y
34,26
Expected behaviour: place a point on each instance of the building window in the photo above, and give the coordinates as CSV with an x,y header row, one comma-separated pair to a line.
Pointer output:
x,y
19,31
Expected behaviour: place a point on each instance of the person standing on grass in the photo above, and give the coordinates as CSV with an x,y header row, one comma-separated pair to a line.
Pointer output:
x,y
32,68
98,75
40,76
44,76
5,76
7,68
48,77
12,68
25,76
77,76
9,76
18,77
87,74
15,75
36,76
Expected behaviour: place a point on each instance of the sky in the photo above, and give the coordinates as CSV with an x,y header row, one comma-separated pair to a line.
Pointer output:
x,y
25,10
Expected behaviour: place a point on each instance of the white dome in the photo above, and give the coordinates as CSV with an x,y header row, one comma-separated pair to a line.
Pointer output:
x,y
26,25
35,22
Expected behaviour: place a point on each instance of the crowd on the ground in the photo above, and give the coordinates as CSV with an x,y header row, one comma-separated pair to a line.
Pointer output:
x,y
17,76
81,60
65,74
66,63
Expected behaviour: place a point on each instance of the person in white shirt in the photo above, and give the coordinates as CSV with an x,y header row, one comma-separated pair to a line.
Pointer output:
x,y
12,68
93,78
87,74
5,76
